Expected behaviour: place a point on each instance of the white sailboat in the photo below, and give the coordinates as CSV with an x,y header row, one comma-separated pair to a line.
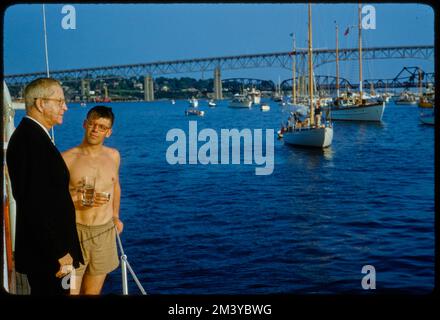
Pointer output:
x,y
310,132
193,102
255,96
360,109
277,96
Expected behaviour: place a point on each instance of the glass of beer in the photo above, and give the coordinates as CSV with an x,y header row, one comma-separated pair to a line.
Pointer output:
x,y
88,191
103,195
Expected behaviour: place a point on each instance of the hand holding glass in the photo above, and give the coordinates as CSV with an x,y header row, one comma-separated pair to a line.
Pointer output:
x,y
102,198
88,191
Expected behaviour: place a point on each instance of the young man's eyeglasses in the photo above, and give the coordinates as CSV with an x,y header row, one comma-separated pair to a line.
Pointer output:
x,y
60,101
101,127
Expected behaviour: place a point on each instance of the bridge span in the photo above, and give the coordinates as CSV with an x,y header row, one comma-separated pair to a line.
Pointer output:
x,y
216,64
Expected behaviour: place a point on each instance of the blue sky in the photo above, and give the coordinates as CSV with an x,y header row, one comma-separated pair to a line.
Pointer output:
x,y
137,33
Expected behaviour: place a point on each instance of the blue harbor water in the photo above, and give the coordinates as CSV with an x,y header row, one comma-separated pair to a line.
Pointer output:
x,y
307,228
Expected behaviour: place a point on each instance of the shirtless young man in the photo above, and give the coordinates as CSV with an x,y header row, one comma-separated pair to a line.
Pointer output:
x,y
95,223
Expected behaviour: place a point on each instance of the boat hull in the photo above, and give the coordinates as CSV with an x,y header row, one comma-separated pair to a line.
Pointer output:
x,y
427,118
18,105
425,105
313,137
240,104
195,113
256,100
373,112
405,102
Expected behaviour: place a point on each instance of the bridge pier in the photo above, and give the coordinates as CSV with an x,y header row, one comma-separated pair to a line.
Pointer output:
x,y
218,91
148,88
105,92
85,89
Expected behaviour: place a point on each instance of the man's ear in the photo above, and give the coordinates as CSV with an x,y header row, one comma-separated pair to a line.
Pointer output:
x,y
109,133
38,104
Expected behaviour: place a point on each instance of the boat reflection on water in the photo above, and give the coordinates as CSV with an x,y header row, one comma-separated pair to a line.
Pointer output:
x,y
311,158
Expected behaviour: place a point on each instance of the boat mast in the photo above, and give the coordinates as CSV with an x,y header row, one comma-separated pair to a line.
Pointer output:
x,y
312,110
360,53
46,54
294,72
45,42
279,86
337,62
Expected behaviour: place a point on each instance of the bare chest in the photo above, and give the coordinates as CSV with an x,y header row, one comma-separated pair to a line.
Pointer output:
x,y
101,169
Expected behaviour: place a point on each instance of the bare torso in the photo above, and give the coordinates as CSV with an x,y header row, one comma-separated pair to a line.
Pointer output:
x,y
103,165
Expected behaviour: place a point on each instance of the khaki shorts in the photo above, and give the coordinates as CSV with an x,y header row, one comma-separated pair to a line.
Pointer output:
x,y
98,245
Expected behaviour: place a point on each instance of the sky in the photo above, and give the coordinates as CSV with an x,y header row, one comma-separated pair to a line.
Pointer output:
x,y
115,34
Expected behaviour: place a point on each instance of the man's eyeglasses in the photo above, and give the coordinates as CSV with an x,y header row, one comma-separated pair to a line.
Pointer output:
x,y
101,127
60,101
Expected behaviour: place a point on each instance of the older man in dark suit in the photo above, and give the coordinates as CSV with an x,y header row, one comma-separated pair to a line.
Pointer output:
x,y
46,243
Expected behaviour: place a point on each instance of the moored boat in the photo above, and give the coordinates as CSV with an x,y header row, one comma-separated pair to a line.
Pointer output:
x,y
406,97
194,112
309,131
359,107
255,96
265,107
193,102
240,101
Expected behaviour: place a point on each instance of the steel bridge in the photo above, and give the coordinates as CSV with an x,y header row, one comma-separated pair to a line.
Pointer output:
x,y
264,60
408,77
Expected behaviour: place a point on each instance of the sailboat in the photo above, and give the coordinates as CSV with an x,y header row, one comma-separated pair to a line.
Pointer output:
x,y
278,97
309,132
358,108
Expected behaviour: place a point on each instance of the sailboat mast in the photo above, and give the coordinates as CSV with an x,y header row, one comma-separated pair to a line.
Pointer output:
x,y
360,53
337,62
45,42
47,59
294,72
312,110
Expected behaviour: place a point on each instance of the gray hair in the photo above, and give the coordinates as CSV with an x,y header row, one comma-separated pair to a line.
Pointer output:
x,y
39,88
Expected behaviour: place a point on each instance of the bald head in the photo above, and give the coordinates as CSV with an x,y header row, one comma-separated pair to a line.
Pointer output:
x,y
39,88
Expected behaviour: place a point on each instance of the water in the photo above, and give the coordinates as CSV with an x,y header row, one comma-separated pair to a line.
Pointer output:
x,y
307,228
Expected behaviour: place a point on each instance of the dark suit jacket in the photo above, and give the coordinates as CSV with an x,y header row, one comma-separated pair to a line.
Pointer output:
x,y
45,223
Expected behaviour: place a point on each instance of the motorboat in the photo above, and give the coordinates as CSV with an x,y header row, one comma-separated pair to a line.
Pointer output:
x,y
265,107
194,112
240,101
406,97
